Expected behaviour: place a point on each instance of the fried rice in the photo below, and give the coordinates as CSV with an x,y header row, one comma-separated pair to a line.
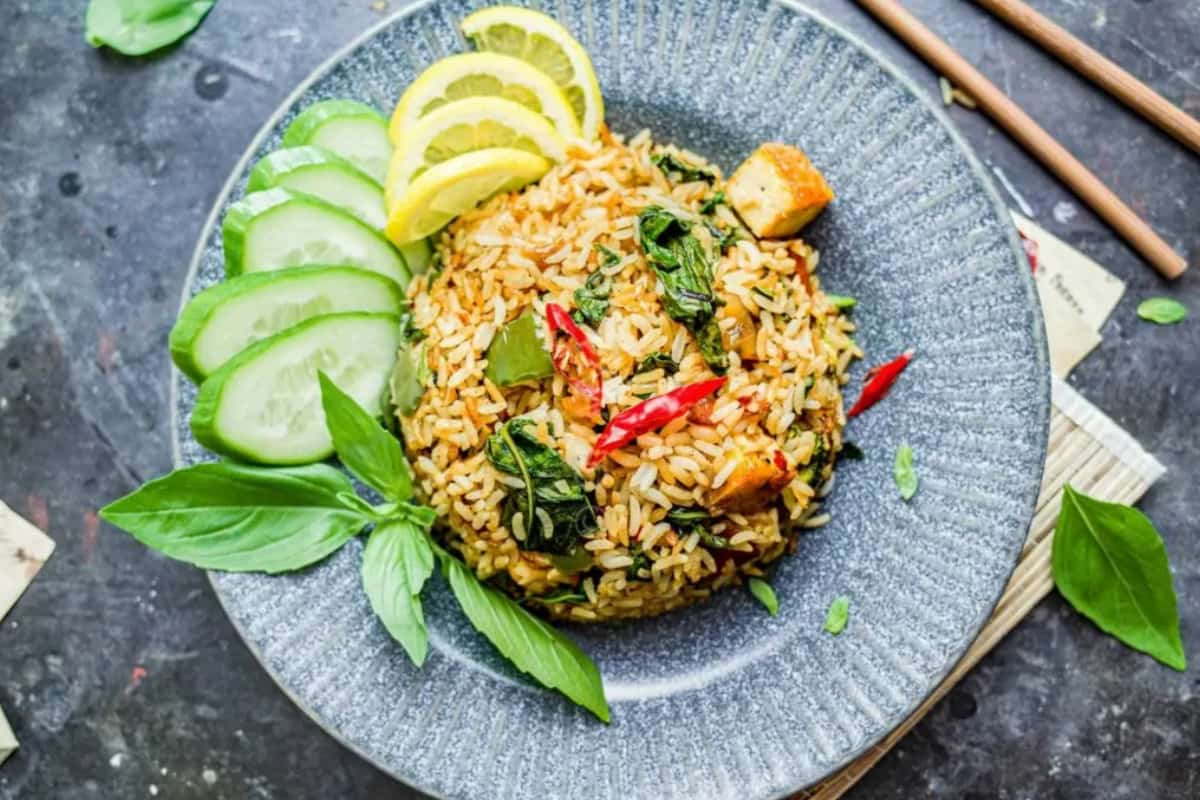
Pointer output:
x,y
789,348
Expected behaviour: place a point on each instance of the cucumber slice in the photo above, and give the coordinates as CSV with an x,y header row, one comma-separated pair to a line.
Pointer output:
x,y
264,404
321,173
279,228
225,319
353,130
418,255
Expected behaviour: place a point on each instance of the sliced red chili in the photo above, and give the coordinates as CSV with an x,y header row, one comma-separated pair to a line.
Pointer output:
x,y
574,357
879,381
650,414
1031,251
780,461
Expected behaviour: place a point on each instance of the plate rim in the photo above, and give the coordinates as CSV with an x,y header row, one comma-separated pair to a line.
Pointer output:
x,y
1038,331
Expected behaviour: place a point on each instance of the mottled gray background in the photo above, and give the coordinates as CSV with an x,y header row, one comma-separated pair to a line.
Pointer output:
x,y
107,169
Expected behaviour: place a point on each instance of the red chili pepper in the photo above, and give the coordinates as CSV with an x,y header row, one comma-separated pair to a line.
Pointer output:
x,y
567,337
780,461
1031,251
879,381
650,414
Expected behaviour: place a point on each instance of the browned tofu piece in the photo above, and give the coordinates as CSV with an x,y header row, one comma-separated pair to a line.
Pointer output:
x,y
752,486
777,191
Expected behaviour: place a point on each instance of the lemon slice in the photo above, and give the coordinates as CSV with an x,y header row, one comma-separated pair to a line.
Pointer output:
x,y
456,186
489,74
475,123
539,40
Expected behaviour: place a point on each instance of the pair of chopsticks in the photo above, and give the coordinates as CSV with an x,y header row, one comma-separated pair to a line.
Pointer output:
x,y
1032,136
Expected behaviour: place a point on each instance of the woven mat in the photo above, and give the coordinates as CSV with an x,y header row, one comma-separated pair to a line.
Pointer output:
x,y
1093,454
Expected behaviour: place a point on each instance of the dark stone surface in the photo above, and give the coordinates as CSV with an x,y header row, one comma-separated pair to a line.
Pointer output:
x,y
109,166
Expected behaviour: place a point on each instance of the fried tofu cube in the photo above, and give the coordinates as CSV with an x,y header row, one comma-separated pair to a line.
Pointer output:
x,y
752,486
777,191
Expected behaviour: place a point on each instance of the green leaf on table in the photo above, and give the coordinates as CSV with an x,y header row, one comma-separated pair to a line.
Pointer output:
x,y
1162,310
838,615
137,27
852,451
239,518
364,447
533,646
764,594
903,472
397,561
1111,565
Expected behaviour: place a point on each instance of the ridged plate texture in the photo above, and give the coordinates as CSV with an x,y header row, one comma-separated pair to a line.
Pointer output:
x,y
722,701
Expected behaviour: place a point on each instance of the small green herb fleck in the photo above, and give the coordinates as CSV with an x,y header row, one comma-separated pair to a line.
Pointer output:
x,y
761,292
1162,310
564,596
591,299
657,360
641,561
838,615
611,257
842,301
672,165
710,204
903,472
764,594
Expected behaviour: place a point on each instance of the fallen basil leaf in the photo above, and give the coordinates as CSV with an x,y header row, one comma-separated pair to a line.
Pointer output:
x,y
764,594
137,27
903,472
838,615
1162,310
1110,564
396,563
529,643
364,447
852,451
238,518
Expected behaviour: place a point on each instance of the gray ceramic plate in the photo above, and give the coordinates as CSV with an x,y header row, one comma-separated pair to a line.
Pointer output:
x,y
722,701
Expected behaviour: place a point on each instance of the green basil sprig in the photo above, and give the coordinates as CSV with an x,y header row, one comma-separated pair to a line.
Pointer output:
x,y
1111,565
1162,310
240,518
137,27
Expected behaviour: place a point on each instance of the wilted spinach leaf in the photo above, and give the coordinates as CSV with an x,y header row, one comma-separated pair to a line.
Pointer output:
x,y
689,519
678,259
551,487
657,360
710,204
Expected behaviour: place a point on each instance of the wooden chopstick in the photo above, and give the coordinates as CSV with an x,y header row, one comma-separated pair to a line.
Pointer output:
x,y
1029,135
1107,75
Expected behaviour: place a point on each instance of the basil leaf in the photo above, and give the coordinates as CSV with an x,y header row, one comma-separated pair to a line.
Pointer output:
x,y
672,165
574,560
657,360
396,563
241,519
842,301
518,354
529,643
564,596
552,489
1162,310
1111,565
363,446
903,472
852,451
685,276
409,331
137,27
838,615
611,257
641,561
410,376
591,299
764,594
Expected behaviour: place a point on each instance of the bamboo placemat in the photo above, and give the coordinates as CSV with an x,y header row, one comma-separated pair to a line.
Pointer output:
x,y
1093,454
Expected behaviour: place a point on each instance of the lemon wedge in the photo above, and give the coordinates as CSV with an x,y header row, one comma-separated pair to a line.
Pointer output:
x,y
457,185
474,123
542,42
483,74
